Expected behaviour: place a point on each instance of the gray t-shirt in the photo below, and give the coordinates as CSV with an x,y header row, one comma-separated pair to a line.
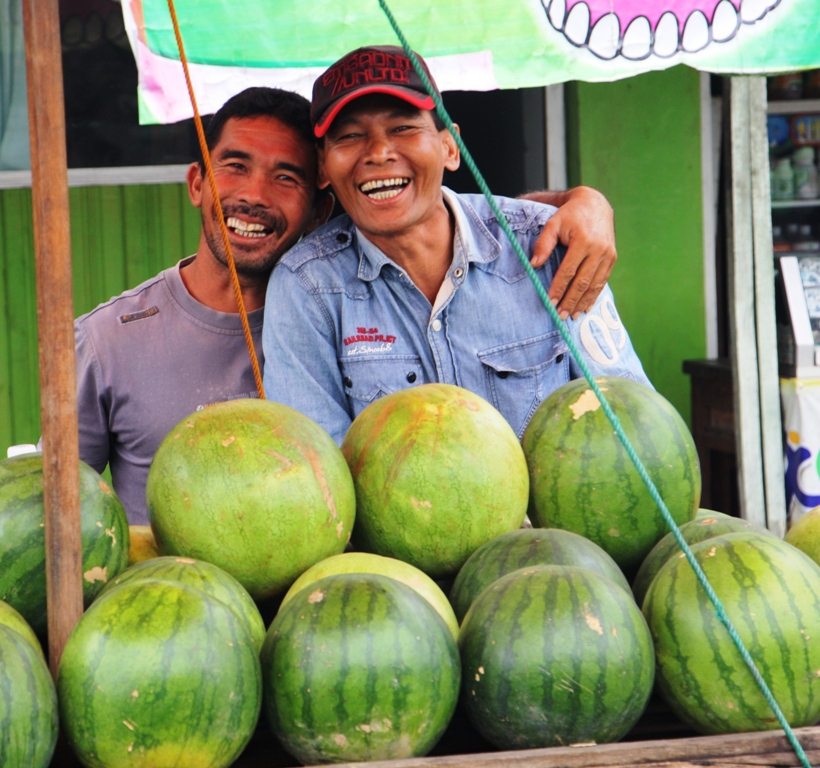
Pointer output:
x,y
145,360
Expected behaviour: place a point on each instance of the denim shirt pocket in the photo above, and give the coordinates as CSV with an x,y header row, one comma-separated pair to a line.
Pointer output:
x,y
520,375
366,379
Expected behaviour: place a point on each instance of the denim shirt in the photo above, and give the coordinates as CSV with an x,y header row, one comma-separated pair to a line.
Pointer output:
x,y
344,325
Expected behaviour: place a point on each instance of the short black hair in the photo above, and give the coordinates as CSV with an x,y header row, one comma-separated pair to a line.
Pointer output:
x,y
289,108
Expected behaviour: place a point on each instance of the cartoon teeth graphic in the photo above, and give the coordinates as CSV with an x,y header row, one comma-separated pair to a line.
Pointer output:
x,y
636,29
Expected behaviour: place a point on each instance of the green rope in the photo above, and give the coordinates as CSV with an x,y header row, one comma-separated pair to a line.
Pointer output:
x,y
610,414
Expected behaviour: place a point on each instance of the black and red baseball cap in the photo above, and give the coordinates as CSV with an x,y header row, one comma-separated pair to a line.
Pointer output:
x,y
372,69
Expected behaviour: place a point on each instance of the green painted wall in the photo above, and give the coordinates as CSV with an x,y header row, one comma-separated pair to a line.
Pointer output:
x,y
120,236
638,141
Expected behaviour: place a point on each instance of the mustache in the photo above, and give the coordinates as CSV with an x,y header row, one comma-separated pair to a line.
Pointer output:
x,y
272,221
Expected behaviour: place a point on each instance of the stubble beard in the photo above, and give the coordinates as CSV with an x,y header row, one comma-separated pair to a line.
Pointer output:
x,y
261,263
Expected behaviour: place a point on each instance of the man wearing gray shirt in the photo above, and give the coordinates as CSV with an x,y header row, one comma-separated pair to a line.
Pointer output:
x,y
155,354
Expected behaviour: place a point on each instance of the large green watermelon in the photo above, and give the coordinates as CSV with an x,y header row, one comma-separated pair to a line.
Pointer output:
x,y
22,538
771,593
157,673
367,562
554,655
253,487
524,547
359,667
699,529
582,479
203,576
438,472
28,704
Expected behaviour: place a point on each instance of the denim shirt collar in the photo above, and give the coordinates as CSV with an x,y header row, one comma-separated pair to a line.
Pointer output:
x,y
472,241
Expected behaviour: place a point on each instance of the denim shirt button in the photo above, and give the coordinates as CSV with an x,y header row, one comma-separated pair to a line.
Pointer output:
x,y
436,325
411,377
560,358
458,272
348,382
342,237
502,374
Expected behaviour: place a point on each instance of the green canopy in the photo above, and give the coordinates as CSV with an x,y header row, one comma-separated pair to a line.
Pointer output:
x,y
478,45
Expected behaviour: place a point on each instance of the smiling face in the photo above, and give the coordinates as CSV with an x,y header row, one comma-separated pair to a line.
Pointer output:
x,y
266,176
385,160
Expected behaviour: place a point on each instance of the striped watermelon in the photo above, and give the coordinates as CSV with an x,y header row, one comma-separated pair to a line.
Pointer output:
x,y
438,472
771,593
525,547
582,480
205,577
253,487
701,528
28,703
159,674
22,544
12,619
359,667
554,655
366,562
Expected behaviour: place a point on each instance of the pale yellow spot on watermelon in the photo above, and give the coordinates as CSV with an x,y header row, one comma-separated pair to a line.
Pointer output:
x,y
104,488
587,403
228,440
111,533
131,746
376,726
481,670
614,632
424,504
594,623
614,532
339,530
96,574
135,693
99,524
316,597
129,726
318,472
730,705
340,739
178,435
712,552
470,405
707,521
187,560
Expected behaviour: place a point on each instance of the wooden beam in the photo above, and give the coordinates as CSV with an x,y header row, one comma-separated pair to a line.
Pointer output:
x,y
742,321
55,314
771,428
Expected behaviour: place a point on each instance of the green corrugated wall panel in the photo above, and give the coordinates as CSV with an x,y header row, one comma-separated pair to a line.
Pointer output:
x,y
120,236
638,141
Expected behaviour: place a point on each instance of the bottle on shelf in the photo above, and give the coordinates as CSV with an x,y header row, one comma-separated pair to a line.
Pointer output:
x,y
805,174
782,179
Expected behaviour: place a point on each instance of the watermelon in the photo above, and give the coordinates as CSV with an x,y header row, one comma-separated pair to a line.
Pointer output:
x,y
359,667
12,619
805,534
438,472
143,544
524,547
771,593
366,562
582,479
554,655
701,528
158,673
22,538
205,577
253,487
28,704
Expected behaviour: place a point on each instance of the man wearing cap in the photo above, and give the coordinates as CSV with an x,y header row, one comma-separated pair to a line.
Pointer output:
x,y
415,284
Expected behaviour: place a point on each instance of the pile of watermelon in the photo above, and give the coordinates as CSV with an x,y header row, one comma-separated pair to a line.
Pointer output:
x,y
553,635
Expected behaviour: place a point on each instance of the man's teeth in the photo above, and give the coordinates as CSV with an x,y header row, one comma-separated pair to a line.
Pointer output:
x,y
246,228
383,189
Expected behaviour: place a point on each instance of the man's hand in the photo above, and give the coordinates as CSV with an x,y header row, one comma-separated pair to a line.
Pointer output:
x,y
584,223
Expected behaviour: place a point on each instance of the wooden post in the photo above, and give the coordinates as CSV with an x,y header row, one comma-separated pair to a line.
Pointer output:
x,y
55,313
751,310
